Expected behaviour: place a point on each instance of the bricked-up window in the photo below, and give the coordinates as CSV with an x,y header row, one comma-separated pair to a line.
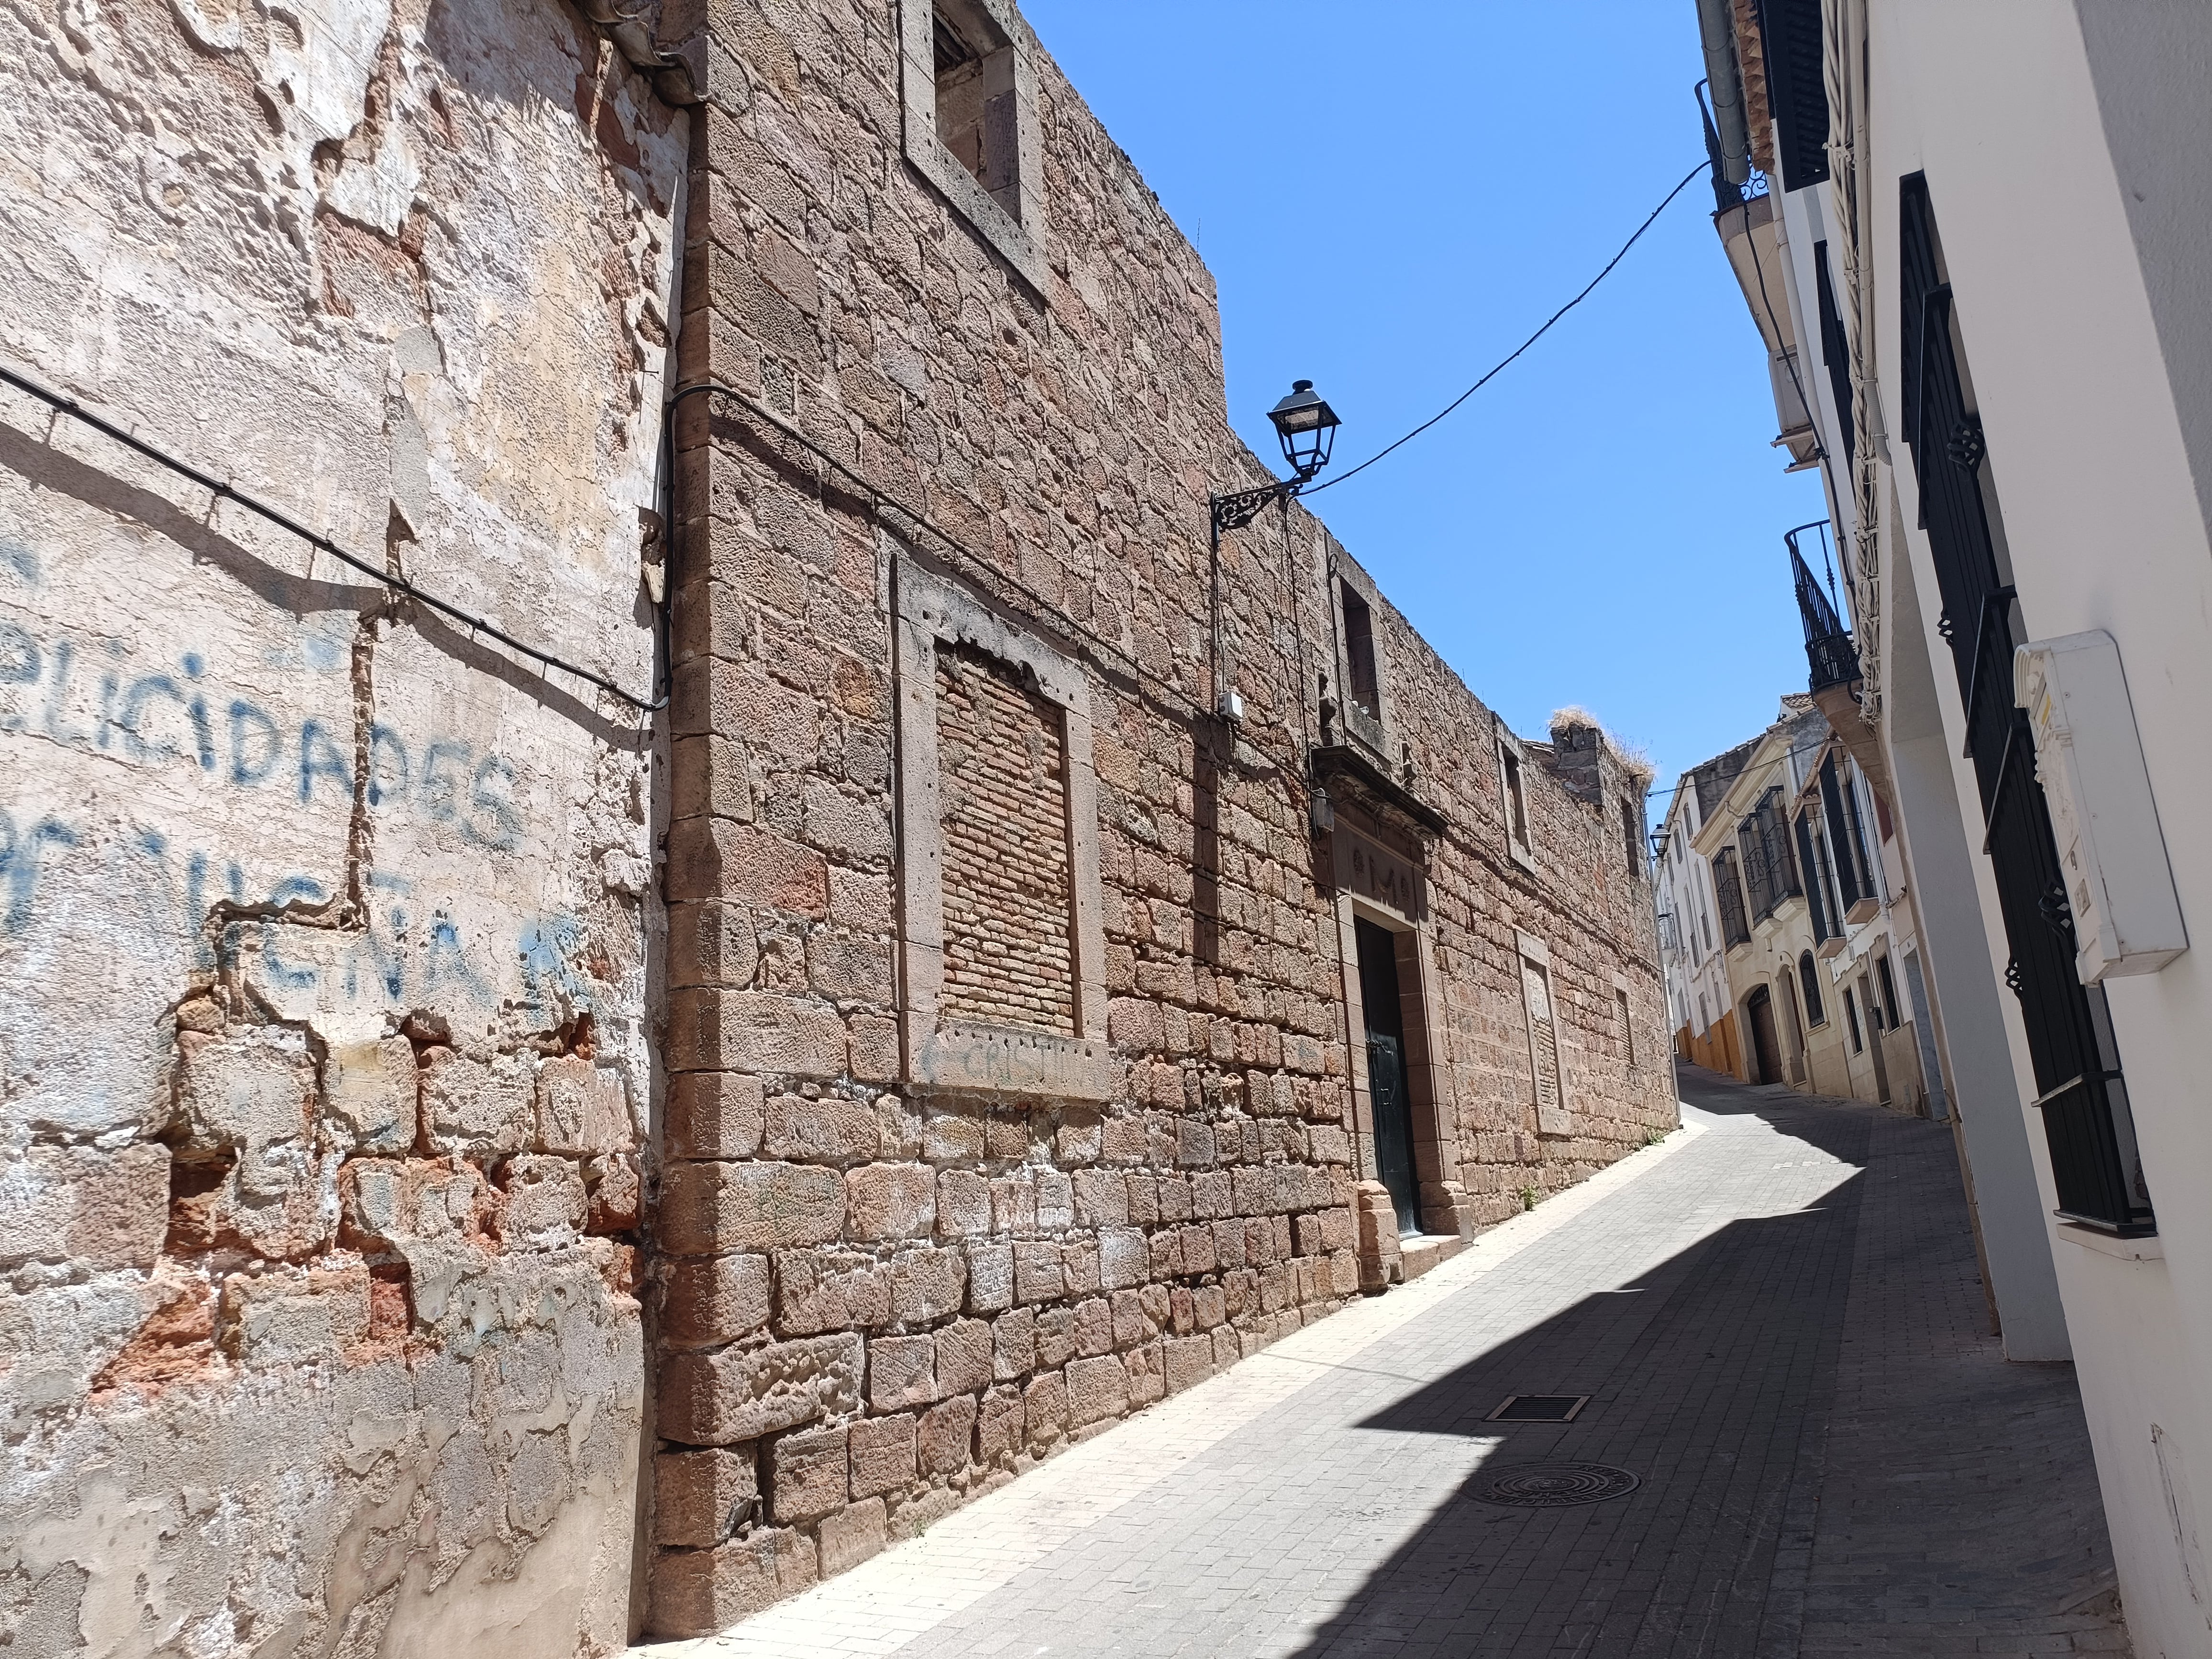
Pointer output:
x,y
1003,792
1002,941
969,82
1516,796
1631,829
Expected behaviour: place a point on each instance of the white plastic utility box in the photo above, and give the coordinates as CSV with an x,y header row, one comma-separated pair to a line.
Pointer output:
x,y
2127,917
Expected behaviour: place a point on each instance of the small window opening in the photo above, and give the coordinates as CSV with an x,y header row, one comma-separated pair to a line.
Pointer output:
x,y
1809,979
1516,801
975,98
1852,1017
1631,829
1359,655
1627,1031
1888,987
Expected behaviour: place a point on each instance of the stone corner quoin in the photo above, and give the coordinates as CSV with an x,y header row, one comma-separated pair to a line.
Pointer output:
x,y
909,1241
480,1164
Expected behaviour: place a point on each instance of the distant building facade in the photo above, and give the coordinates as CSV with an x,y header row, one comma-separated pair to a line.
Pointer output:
x,y
1815,963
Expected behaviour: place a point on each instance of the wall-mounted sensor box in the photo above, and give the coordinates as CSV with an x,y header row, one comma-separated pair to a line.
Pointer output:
x,y
2127,917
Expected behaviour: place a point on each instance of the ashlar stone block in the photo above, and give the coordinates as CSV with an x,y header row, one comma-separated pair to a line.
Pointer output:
x,y
883,1454
711,1208
699,1496
707,1300
807,1475
732,1394
853,1536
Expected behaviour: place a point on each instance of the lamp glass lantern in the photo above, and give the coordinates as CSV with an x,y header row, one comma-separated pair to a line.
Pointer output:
x,y
1307,426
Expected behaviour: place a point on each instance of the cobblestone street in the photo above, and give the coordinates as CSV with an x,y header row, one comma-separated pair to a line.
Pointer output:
x,y
1776,1316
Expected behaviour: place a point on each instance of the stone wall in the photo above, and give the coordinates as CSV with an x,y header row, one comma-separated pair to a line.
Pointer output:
x,y
324,922
881,1292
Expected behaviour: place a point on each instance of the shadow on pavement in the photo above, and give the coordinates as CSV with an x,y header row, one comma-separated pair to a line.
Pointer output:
x,y
1714,1379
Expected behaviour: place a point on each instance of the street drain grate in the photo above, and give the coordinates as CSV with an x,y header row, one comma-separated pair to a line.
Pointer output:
x,y
1539,1408
1552,1485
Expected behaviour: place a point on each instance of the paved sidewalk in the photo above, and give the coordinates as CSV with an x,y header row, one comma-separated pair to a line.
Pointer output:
x,y
1777,1317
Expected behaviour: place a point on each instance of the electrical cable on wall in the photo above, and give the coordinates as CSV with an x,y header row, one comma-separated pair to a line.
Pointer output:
x,y
222,491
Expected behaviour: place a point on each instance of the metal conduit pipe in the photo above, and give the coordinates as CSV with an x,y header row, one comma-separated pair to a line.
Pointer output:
x,y
1725,87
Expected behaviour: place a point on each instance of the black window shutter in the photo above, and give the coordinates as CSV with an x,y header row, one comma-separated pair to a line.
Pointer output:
x,y
1812,879
1839,840
1797,85
1835,348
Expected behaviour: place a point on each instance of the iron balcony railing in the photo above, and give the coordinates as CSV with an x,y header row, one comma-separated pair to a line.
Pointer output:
x,y
1828,648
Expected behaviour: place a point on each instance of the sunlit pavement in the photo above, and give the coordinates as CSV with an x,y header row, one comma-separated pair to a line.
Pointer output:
x,y
1777,1317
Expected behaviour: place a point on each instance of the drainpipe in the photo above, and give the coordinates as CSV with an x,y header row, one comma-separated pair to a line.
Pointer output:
x,y
1727,90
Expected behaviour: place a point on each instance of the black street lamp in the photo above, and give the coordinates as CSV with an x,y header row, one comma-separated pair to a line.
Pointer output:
x,y
1306,426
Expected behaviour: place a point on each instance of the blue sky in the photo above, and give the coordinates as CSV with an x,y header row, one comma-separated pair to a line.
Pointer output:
x,y
1390,197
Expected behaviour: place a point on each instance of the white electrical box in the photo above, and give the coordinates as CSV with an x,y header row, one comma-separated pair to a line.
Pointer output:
x,y
2127,917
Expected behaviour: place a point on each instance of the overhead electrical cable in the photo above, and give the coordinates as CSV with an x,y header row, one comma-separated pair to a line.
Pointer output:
x,y
1650,219
221,490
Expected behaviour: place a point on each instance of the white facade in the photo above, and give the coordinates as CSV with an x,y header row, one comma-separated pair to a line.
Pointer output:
x,y
2062,153
1689,935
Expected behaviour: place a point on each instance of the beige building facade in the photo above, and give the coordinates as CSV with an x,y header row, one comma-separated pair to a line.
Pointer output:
x,y
1814,940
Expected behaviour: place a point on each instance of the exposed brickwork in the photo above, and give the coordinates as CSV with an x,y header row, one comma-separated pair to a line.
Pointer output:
x,y
1004,837
960,1284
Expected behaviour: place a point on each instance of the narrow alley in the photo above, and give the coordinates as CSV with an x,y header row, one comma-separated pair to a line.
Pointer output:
x,y
1777,1316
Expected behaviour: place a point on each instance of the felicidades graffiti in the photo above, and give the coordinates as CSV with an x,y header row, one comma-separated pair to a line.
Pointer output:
x,y
156,719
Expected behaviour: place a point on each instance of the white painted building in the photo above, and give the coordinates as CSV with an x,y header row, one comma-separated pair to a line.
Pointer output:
x,y
1989,222
1690,943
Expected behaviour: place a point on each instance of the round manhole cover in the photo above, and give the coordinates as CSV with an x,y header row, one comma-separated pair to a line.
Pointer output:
x,y
1548,1486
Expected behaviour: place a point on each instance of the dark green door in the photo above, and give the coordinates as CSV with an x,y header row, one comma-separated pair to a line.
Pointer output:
x,y
1386,1070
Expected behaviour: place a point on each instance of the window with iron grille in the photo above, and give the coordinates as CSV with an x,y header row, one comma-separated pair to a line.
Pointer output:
x,y
1758,896
1809,867
1727,892
1808,976
2082,1094
1846,851
1770,871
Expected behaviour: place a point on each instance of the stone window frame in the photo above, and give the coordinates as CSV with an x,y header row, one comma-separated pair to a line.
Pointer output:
x,y
1373,730
1529,952
1020,241
1520,836
972,1054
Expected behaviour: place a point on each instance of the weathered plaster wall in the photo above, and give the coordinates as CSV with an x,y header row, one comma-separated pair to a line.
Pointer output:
x,y
324,927
879,1297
